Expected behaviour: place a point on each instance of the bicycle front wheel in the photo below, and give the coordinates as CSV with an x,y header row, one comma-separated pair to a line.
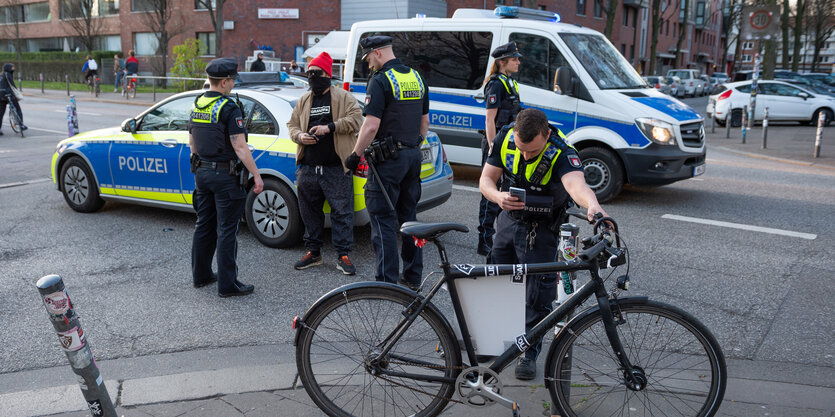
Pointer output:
x,y
340,364
675,357
14,120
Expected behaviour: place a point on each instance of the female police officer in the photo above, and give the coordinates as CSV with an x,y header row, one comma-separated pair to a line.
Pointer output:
x,y
501,95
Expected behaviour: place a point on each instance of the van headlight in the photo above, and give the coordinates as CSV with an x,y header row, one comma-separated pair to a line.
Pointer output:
x,y
656,130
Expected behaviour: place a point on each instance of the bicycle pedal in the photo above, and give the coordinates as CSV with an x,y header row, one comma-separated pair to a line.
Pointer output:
x,y
515,409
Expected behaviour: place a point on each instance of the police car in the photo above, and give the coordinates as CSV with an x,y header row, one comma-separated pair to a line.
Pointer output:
x,y
146,161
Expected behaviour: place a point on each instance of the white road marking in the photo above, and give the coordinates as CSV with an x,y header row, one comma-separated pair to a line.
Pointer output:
x,y
48,130
86,113
740,226
17,184
465,188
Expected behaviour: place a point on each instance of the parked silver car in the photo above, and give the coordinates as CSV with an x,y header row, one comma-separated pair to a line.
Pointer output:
x,y
676,86
658,83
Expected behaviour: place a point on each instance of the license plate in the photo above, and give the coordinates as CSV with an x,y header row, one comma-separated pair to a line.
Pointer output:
x,y
698,170
426,155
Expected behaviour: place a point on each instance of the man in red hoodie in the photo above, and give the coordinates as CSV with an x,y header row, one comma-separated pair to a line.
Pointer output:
x,y
324,124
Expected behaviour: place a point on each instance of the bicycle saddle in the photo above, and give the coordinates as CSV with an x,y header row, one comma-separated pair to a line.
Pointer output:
x,y
422,230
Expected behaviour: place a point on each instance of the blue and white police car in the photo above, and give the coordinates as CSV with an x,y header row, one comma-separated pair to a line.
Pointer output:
x,y
146,161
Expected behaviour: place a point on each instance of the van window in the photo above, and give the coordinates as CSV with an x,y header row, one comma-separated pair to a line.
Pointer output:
x,y
443,59
540,60
608,68
684,75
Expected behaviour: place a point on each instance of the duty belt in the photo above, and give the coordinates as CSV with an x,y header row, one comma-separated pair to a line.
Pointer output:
x,y
214,165
401,145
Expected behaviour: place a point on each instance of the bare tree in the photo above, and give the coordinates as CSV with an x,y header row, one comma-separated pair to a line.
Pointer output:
x,y
655,17
13,16
821,25
769,58
731,27
784,29
610,10
800,12
83,19
682,32
215,8
165,22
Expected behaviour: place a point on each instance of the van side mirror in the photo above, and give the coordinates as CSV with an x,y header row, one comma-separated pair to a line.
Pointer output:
x,y
564,82
129,126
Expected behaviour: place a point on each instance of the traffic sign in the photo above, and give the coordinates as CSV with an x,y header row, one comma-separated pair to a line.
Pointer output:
x,y
760,22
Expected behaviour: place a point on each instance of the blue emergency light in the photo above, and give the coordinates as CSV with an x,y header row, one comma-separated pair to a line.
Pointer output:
x,y
526,13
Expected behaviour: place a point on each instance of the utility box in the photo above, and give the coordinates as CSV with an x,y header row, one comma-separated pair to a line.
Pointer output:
x,y
736,118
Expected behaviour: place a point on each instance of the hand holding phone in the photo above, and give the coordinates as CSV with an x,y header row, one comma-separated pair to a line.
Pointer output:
x,y
518,193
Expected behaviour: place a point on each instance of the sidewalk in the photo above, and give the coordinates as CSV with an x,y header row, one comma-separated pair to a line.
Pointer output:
x,y
787,142
106,96
258,381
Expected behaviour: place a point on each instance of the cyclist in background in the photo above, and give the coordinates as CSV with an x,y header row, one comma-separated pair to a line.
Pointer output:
x,y
90,68
132,64
6,94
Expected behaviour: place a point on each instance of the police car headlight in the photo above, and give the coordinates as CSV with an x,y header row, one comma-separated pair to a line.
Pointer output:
x,y
656,130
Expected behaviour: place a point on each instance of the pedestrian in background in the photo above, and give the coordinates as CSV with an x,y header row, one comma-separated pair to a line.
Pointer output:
x,y
396,120
118,72
324,124
501,96
217,138
294,67
258,65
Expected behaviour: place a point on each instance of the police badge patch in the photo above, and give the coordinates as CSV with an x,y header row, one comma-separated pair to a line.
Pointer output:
x,y
367,100
574,161
240,122
491,99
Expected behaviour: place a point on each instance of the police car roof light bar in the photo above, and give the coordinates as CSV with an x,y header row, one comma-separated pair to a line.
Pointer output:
x,y
526,13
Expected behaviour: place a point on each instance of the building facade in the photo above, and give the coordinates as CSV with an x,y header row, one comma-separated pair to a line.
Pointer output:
x,y
290,26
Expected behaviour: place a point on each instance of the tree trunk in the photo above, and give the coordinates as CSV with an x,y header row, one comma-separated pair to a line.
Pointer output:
x,y
612,7
682,33
219,29
769,58
784,25
656,12
798,32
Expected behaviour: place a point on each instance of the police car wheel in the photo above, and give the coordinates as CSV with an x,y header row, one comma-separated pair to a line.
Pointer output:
x,y
79,186
273,215
603,171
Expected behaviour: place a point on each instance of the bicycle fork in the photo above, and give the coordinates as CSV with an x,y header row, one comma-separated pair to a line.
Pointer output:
x,y
634,377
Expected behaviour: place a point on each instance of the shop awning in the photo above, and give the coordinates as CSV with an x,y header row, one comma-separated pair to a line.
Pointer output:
x,y
663,55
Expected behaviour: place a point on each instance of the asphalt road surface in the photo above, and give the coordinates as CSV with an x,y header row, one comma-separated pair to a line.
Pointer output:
x,y
765,296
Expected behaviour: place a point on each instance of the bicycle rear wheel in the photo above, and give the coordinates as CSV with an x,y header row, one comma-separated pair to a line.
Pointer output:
x,y
676,357
14,120
132,92
338,347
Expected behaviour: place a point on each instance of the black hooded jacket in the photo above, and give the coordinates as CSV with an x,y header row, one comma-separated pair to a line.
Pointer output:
x,y
7,80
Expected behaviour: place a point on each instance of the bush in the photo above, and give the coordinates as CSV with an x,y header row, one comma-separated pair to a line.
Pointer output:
x,y
187,62
53,65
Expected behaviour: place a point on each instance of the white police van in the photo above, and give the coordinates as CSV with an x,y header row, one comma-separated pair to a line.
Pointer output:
x,y
625,131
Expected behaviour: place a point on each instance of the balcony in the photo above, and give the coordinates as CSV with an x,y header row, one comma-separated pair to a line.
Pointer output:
x,y
636,3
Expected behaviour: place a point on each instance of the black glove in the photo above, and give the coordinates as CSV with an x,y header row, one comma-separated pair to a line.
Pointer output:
x,y
352,161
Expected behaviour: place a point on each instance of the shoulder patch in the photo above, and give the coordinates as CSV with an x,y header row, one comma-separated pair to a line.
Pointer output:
x,y
367,100
240,122
574,160
491,99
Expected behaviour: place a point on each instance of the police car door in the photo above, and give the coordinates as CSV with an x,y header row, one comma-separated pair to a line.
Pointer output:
x,y
540,59
145,164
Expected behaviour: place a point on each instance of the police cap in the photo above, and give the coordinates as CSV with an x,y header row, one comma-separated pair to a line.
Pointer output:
x,y
222,68
374,42
508,50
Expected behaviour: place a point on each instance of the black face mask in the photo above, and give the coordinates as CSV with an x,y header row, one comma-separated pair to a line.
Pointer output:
x,y
319,84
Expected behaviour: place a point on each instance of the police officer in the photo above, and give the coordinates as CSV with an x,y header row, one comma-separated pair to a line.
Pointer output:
x,y
533,155
218,141
396,120
501,96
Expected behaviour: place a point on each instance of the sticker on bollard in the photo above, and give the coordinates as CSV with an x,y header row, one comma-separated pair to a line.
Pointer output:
x,y
57,304
72,339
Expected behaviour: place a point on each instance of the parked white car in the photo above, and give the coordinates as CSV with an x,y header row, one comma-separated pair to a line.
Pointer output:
x,y
693,86
785,102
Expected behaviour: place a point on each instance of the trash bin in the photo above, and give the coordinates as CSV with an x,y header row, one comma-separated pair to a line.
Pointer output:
x,y
736,117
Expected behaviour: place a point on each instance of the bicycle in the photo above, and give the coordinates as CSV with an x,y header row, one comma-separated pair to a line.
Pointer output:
x,y
377,348
14,117
129,90
93,84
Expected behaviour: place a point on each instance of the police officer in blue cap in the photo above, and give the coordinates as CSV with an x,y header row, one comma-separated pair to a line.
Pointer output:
x,y
217,138
396,121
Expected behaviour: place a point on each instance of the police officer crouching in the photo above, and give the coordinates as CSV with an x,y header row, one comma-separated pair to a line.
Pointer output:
x,y
217,138
501,98
397,118
532,155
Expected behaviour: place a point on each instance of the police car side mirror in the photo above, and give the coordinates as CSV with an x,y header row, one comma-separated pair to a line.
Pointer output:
x,y
564,82
129,126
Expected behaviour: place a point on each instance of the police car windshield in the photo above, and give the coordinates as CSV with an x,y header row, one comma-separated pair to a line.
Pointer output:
x,y
606,66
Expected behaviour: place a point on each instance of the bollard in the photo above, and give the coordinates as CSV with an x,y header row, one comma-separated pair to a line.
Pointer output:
x,y
74,343
819,135
765,128
154,82
713,121
74,116
20,84
70,130
67,77
744,123
728,124
41,77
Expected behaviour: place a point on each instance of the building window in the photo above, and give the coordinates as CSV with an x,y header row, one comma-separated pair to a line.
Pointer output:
x,y
746,58
142,5
36,12
700,13
43,44
625,16
581,7
635,19
109,43
207,43
598,8
632,53
145,43
200,4
747,45
108,7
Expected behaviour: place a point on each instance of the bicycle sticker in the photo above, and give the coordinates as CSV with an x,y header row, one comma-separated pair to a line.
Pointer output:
x,y
522,343
95,408
466,269
72,339
491,270
519,272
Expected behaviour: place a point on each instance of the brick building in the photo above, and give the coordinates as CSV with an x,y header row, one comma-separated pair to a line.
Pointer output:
x,y
290,26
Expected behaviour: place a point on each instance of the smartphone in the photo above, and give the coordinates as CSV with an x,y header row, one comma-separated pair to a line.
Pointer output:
x,y
518,193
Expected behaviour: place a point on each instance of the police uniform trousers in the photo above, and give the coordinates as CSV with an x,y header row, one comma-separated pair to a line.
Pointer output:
x,y
315,184
401,179
219,201
487,210
510,246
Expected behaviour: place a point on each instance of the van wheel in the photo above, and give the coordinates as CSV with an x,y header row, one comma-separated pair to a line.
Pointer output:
x,y
79,186
273,215
603,171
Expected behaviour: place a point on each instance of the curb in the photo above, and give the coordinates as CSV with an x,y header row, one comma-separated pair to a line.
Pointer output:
x,y
774,158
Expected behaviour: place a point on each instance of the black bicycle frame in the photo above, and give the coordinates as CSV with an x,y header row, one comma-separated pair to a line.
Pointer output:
x,y
594,286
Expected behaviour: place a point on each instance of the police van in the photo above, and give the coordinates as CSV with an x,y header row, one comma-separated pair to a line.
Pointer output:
x,y
624,130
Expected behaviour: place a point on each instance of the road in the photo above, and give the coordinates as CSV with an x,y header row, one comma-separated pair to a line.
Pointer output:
x,y
766,296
